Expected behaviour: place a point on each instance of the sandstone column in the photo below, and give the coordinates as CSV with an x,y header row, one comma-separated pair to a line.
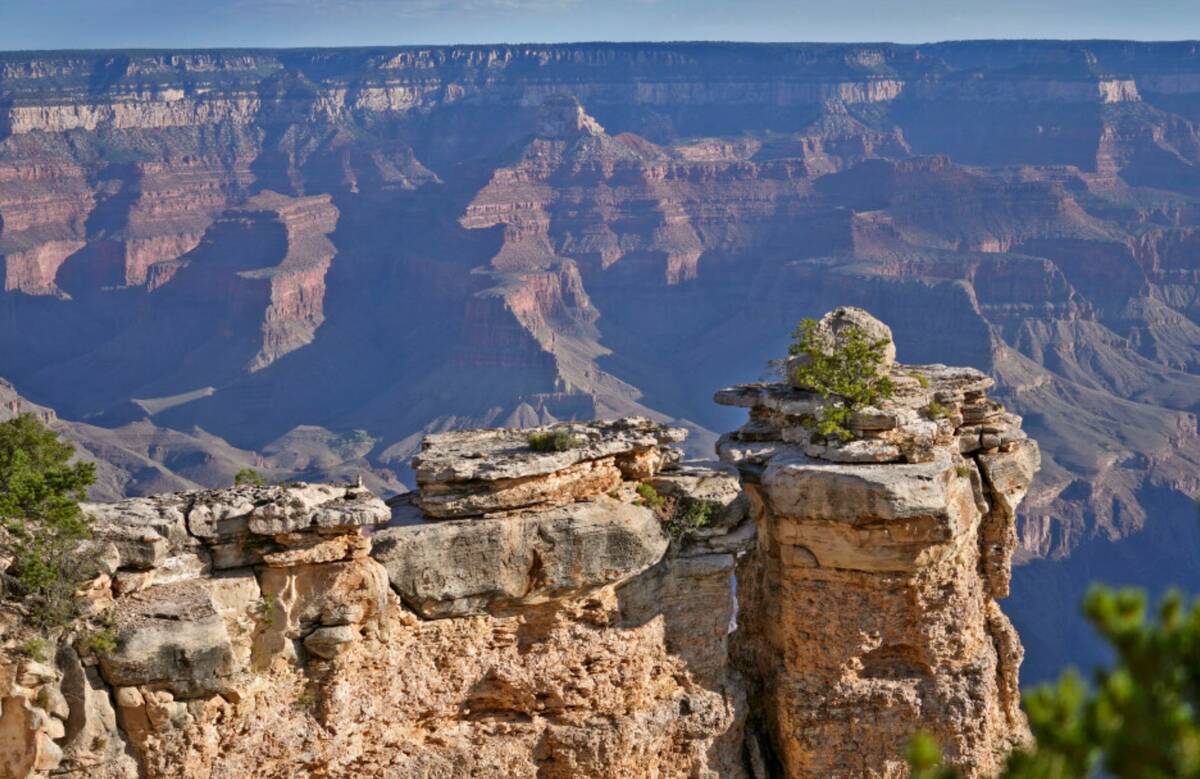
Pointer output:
x,y
872,609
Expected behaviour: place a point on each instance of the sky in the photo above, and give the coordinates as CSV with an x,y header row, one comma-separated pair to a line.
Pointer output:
x,y
59,24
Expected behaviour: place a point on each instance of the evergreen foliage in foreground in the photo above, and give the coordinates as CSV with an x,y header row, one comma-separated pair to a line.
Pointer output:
x,y
1139,720
41,525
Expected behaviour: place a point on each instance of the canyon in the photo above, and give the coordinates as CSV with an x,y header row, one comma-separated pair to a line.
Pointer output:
x,y
303,261
606,607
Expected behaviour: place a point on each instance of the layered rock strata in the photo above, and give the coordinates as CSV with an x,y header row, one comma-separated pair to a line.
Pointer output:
x,y
871,609
601,609
559,630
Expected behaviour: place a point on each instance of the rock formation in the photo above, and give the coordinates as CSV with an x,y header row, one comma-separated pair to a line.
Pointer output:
x,y
870,607
568,601
528,623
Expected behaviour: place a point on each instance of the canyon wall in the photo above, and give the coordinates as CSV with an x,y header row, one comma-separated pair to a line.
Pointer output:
x,y
304,260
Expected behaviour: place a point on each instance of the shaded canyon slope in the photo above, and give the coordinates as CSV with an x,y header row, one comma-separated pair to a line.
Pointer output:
x,y
303,260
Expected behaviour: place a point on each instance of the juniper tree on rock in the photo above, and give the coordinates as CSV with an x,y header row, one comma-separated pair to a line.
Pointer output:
x,y
41,524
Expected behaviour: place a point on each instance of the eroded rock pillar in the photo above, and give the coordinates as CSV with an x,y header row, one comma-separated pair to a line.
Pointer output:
x,y
879,563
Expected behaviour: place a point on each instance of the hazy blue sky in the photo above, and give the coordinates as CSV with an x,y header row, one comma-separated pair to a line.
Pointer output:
x,y
32,24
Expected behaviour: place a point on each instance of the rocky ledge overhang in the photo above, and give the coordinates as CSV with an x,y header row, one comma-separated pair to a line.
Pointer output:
x,y
495,525
902,463
225,611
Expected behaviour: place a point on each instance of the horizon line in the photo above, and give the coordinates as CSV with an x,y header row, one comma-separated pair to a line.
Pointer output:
x,y
693,42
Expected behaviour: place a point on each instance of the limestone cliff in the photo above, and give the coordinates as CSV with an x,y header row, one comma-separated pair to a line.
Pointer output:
x,y
597,609
870,602
536,619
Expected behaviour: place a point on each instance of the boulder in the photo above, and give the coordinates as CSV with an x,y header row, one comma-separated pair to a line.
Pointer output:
x,y
329,642
144,531
91,735
445,569
480,472
896,517
170,635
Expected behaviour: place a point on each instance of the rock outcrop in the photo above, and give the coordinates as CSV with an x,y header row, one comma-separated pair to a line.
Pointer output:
x,y
561,629
871,606
568,601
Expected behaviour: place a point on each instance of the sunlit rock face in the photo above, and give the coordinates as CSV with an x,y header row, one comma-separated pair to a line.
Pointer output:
x,y
792,614
872,603
313,629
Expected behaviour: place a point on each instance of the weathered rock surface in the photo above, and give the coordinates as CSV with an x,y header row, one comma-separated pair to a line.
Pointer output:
x,y
570,637
475,473
870,608
669,621
479,566
831,332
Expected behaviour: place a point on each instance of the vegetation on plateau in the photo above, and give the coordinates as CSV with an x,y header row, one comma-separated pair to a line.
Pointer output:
x,y
552,441
679,515
1139,719
847,371
936,411
41,524
248,477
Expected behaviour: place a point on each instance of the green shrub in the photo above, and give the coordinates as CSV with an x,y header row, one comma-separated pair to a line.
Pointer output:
x,y
921,378
42,524
99,642
962,471
248,477
266,609
936,411
679,516
847,371
690,514
552,441
925,758
36,648
650,496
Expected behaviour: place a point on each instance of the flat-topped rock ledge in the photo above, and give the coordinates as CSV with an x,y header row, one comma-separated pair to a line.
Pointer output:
x,y
932,407
580,597
473,473
495,524
158,538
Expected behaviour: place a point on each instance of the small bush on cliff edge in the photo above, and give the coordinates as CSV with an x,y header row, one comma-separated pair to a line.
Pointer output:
x,y
650,497
680,516
42,525
248,477
847,371
1140,718
552,441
